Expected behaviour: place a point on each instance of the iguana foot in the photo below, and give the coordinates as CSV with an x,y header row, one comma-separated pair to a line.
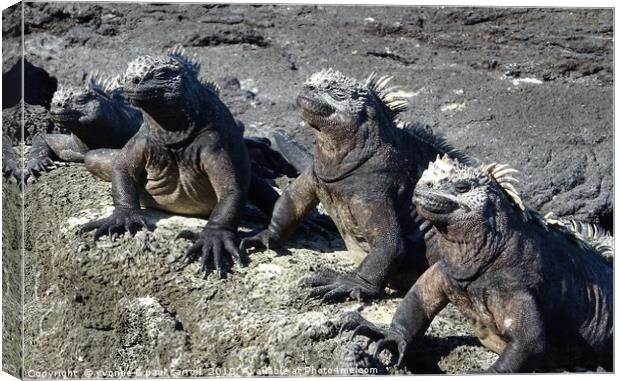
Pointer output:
x,y
332,286
385,338
37,166
121,221
265,238
212,244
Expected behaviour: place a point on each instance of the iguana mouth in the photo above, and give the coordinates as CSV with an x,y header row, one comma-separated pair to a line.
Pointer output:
x,y
434,202
143,95
313,110
65,116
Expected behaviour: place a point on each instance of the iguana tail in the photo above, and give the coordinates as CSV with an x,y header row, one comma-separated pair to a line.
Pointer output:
x,y
266,161
298,156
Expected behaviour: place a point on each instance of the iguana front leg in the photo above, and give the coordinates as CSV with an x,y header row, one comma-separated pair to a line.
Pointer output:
x,y
519,321
415,313
387,248
229,173
100,162
49,147
296,201
127,215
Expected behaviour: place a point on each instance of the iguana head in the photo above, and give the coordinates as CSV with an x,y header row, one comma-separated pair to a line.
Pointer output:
x,y
333,103
78,108
457,197
159,84
349,117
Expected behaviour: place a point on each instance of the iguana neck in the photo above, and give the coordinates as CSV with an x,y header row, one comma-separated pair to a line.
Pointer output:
x,y
469,249
336,159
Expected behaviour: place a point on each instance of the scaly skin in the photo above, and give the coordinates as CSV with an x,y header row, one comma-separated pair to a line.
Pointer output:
x,y
187,158
101,120
537,293
364,172
9,165
97,117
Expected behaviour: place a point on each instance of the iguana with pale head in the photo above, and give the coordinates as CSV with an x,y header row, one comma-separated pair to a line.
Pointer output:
x,y
364,171
188,157
97,116
538,291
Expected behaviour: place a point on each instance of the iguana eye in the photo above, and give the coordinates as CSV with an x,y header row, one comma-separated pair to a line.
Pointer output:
x,y
339,95
462,187
81,99
161,74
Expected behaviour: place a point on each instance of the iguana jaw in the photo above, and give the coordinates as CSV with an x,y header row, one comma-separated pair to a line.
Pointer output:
x,y
433,204
141,97
313,111
153,95
65,116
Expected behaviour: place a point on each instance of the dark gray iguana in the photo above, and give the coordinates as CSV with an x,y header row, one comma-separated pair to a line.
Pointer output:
x,y
100,121
364,172
537,292
97,117
187,158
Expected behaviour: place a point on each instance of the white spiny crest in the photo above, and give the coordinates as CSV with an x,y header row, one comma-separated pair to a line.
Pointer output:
x,y
501,173
599,239
64,93
327,79
211,85
142,65
445,167
190,62
103,83
585,229
391,97
551,220
585,234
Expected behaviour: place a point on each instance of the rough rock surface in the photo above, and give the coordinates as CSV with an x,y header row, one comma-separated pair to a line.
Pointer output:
x,y
530,87
129,306
12,279
36,119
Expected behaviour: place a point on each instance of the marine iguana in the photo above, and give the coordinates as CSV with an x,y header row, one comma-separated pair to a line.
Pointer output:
x,y
364,172
97,117
100,121
187,158
537,293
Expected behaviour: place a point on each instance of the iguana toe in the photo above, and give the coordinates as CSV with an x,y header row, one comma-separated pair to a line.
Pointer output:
x,y
212,246
264,238
187,234
332,287
119,222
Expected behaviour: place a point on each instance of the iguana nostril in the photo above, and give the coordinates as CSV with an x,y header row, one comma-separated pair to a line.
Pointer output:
x,y
136,80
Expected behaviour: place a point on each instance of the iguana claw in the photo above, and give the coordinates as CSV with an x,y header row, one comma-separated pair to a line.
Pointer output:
x,y
385,338
121,221
211,245
331,286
